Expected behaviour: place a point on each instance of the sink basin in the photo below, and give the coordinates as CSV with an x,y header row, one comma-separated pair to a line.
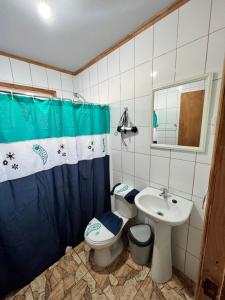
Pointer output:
x,y
172,211
164,213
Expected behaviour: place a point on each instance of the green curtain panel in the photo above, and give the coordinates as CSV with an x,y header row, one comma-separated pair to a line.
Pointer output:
x,y
25,118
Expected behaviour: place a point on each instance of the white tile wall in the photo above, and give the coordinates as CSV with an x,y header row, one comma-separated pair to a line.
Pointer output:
x,y
94,94
16,71
142,111
164,69
193,21
128,163
191,59
194,241
39,76
201,179
21,72
54,79
178,257
114,89
142,140
144,46
127,85
117,176
127,56
84,80
165,34
5,69
191,266
114,114
184,44
197,213
180,235
67,82
93,71
177,50
128,179
184,155
115,140
159,171
113,63
216,52
116,160
67,95
181,175
103,69
143,79
103,92
142,166
217,15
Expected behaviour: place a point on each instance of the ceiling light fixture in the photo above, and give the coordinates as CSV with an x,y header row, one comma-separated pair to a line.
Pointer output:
x,y
44,9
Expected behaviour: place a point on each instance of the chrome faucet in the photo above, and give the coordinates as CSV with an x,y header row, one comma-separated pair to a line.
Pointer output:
x,y
164,193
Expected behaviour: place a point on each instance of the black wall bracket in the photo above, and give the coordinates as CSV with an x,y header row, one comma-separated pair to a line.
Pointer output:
x,y
124,129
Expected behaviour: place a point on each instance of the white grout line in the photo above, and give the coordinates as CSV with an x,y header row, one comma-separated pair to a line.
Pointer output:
x,y
207,47
30,74
10,63
178,20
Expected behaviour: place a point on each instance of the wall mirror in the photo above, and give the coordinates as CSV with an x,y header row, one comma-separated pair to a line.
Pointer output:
x,y
180,114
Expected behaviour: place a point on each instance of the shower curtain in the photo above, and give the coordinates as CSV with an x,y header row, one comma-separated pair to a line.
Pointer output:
x,y
54,178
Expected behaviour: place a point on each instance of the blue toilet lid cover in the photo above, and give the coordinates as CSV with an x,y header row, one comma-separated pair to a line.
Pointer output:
x,y
104,227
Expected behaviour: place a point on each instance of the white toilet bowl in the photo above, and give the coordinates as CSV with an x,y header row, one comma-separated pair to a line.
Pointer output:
x,y
107,246
106,239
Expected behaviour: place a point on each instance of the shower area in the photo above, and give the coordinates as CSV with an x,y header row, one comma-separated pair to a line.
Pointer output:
x,y
54,178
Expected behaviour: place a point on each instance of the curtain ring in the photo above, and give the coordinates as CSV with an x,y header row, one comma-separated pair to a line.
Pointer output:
x,y
11,95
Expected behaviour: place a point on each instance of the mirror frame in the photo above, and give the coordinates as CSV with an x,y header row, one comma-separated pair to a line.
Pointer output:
x,y
205,116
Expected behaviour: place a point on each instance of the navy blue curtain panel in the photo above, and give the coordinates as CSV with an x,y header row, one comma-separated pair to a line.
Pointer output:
x,y
50,188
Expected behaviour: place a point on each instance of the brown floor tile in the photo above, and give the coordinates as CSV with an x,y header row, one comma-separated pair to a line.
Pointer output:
x,y
113,280
68,282
74,277
58,292
147,288
38,285
102,278
91,283
108,291
139,296
171,294
78,291
81,271
156,296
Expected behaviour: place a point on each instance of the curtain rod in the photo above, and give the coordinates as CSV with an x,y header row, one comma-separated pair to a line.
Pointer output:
x,y
80,98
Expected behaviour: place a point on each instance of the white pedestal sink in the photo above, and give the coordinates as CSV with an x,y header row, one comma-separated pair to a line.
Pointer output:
x,y
165,213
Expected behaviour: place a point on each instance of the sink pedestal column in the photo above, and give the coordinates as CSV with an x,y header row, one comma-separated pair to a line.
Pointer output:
x,y
161,270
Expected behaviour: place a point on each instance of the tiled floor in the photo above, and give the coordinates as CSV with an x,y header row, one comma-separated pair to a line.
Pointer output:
x,y
73,277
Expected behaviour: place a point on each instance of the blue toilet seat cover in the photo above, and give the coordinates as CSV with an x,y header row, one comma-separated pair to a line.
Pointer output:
x,y
112,222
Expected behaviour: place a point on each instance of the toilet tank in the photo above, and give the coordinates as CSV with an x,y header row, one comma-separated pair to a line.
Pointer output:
x,y
124,208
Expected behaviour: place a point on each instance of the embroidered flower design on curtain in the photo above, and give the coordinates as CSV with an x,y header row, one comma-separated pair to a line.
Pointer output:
x,y
61,150
9,157
5,162
91,146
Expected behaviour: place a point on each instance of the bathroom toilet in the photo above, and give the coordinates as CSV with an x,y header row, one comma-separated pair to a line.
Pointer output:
x,y
103,233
